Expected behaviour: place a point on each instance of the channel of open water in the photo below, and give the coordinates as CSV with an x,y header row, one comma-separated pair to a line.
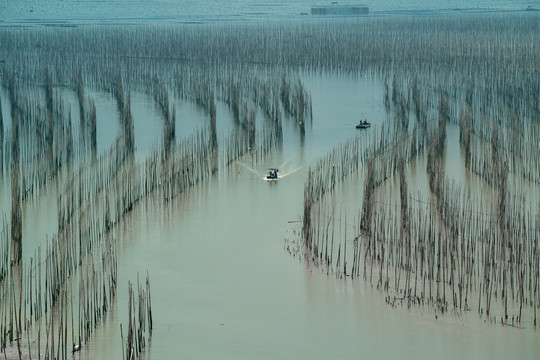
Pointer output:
x,y
223,283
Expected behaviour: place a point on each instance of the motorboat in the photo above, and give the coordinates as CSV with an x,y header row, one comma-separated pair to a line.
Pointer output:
x,y
272,174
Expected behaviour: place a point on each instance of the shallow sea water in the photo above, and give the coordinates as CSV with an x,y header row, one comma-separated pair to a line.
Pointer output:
x,y
223,284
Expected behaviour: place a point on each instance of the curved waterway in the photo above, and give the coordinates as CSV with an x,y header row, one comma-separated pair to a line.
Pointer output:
x,y
224,284
224,281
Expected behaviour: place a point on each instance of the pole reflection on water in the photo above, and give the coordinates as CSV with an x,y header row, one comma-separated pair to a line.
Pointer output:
x,y
230,275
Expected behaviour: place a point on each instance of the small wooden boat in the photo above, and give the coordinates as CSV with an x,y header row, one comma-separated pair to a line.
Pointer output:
x,y
363,125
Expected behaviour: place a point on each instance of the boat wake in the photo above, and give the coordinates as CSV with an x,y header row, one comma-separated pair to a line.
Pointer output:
x,y
283,170
282,175
249,168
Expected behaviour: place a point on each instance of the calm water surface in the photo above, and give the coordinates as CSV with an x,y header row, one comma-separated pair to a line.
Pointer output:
x,y
223,284
223,287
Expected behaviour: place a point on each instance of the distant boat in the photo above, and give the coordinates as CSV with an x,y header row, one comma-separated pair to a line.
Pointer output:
x,y
363,125
337,9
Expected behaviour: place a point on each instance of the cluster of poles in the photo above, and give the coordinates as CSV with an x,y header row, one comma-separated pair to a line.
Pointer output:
x,y
52,305
140,321
57,298
447,249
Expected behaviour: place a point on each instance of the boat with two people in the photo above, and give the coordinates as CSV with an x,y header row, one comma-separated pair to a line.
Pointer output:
x,y
364,124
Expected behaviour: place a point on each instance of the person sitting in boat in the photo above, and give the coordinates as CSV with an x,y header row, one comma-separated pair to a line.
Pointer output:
x,y
365,122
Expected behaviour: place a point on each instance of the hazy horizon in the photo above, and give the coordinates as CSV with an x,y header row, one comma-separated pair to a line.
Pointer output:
x,y
110,11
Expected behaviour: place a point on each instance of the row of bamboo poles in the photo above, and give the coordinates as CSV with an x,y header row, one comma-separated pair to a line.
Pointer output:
x,y
140,321
449,249
424,67
95,192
